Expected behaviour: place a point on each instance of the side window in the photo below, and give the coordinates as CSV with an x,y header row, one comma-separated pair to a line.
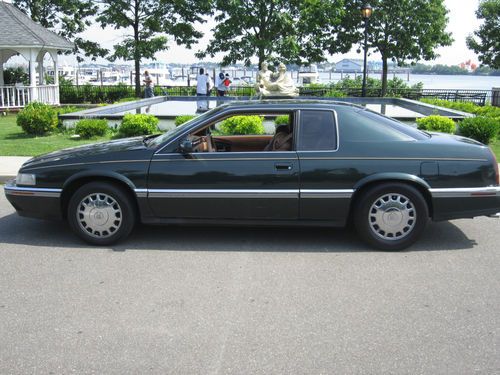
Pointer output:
x,y
247,132
317,131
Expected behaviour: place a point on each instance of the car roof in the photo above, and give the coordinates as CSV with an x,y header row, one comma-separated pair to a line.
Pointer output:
x,y
281,104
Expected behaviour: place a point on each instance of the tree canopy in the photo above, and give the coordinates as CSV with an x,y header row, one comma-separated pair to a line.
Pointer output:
x,y
67,18
293,31
149,22
401,30
486,40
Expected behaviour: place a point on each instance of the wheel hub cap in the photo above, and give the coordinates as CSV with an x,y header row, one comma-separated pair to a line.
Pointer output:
x,y
99,215
392,216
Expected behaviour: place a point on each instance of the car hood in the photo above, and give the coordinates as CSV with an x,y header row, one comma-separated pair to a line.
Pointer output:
x,y
90,150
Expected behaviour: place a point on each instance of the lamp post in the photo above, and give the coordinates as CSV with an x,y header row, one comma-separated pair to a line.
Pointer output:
x,y
366,13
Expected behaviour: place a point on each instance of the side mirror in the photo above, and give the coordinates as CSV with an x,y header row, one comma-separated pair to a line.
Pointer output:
x,y
186,146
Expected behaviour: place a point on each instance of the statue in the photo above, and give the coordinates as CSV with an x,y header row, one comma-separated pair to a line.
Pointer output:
x,y
277,84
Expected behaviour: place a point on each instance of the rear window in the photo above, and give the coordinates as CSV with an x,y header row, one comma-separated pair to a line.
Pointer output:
x,y
317,131
366,126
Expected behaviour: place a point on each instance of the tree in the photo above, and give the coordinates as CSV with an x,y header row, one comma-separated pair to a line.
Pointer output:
x,y
401,30
150,21
293,31
67,18
488,45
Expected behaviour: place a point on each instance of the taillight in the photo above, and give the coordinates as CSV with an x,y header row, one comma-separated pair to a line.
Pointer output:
x,y
495,162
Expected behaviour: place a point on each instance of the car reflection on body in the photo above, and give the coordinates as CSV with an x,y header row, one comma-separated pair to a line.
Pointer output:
x,y
331,164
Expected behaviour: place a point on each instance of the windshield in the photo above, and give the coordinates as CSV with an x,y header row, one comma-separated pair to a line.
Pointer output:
x,y
172,133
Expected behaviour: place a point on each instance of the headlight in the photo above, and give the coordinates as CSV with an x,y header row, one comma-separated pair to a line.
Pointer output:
x,y
25,179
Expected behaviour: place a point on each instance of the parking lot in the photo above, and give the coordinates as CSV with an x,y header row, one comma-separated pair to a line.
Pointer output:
x,y
248,301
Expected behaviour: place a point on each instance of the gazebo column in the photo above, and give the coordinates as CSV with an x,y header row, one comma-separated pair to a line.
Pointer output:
x,y
2,61
53,54
41,77
32,61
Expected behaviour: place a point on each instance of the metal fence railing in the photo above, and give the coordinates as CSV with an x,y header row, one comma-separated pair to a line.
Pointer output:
x,y
110,94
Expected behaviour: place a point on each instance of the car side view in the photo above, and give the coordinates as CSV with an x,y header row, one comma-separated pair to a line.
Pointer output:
x,y
330,164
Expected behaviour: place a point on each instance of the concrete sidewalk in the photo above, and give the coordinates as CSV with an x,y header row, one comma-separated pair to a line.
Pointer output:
x,y
9,165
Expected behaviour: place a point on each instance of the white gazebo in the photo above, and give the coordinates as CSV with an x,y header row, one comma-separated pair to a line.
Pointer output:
x,y
20,35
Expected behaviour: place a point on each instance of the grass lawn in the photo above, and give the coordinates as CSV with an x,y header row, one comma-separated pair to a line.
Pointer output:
x,y
14,142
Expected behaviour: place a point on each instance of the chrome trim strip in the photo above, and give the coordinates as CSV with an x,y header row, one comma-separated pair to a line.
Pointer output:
x,y
490,191
222,193
327,193
219,159
383,158
141,193
32,192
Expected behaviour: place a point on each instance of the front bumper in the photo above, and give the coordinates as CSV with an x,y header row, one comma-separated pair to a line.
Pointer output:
x,y
461,203
40,203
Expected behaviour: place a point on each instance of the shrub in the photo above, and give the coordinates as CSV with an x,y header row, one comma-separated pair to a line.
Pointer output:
x,y
282,120
482,129
179,120
37,119
89,128
436,123
139,124
240,125
486,111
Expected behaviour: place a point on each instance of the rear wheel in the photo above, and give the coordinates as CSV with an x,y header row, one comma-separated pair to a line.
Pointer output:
x,y
391,216
101,213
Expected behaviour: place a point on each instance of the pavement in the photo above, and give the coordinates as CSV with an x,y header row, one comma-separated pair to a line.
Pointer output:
x,y
9,165
179,300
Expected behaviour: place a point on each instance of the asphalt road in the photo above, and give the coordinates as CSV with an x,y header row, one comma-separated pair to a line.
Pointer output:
x,y
248,301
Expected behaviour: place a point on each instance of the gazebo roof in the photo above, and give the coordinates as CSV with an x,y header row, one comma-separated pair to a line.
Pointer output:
x,y
18,30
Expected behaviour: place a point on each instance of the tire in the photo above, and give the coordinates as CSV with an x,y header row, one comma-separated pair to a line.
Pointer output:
x,y
391,216
101,213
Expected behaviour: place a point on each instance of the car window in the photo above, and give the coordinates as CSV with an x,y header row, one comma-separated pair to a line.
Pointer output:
x,y
317,131
365,126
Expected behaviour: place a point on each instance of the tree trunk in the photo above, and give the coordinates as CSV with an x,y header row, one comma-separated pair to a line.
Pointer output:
x,y
384,75
262,58
137,63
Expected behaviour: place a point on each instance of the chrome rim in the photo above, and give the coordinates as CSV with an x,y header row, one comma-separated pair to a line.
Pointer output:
x,y
99,215
392,217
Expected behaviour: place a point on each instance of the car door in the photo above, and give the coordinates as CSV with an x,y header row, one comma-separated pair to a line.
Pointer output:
x,y
225,185
325,193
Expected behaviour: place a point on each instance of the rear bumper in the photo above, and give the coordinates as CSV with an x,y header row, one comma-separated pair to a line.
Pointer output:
x,y
40,203
458,203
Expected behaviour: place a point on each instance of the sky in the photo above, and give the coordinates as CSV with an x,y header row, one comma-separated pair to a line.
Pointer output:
x,y
462,22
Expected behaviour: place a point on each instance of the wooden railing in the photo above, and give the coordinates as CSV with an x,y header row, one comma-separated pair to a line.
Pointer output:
x,y
19,96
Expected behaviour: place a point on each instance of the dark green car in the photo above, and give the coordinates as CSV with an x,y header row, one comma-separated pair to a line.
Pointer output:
x,y
329,164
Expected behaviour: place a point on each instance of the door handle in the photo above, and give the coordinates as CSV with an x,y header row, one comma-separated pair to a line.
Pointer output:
x,y
283,167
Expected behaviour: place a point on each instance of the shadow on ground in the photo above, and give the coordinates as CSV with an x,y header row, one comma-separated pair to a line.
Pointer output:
x,y
16,230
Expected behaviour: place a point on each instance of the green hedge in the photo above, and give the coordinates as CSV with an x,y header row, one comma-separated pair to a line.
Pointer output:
x,y
437,123
485,111
37,119
179,120
139,124
240,125
282,120
89,128
482,129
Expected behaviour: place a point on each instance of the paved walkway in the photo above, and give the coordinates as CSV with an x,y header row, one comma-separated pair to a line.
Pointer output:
x,y
9,165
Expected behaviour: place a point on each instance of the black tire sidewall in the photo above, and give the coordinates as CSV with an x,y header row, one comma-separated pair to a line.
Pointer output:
x,y
123,200
370,196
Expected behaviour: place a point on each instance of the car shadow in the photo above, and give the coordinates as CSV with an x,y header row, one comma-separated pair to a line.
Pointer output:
x,y
16,230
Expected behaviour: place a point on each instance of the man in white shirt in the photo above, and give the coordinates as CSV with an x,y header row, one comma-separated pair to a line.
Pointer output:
x,y
203,83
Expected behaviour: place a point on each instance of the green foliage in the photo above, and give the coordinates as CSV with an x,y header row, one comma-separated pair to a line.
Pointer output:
x,y
179,120
12,76
436,123
486,111
70,93
401,30
147,22
67,18
139,124
482,129
240,125
282,120
291,31
90,128
486,41
37,119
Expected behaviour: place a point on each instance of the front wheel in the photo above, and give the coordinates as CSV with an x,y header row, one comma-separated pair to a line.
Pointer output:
x,y
101,213
391,216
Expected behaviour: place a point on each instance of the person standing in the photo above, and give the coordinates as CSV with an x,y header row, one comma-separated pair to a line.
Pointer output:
x,y
224,84
148,90
202,83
